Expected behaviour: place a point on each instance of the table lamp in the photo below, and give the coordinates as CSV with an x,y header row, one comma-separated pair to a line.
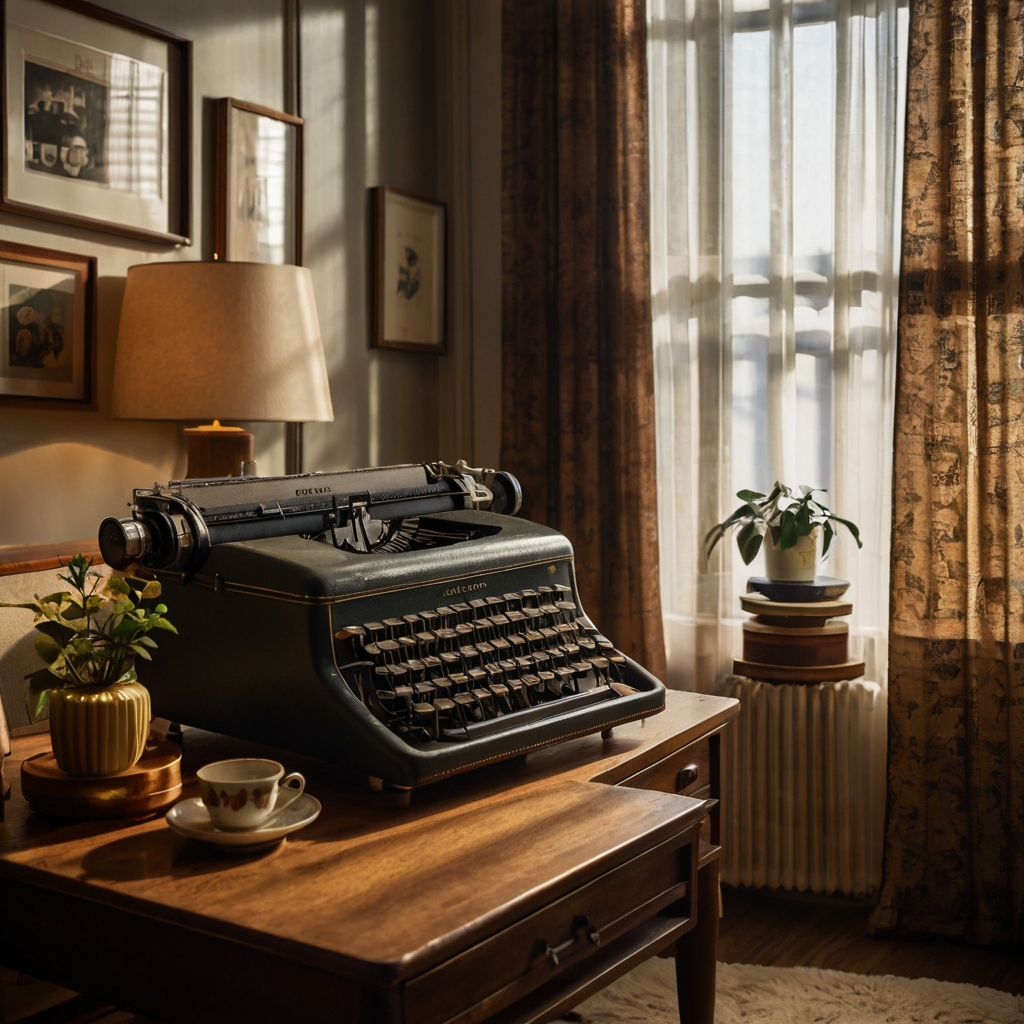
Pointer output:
x,y
220,341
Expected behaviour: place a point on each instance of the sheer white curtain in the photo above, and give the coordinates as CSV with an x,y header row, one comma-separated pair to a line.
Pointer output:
x,y
776,140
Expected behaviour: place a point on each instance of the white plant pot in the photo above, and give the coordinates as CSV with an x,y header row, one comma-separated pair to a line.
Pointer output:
x,y
796,564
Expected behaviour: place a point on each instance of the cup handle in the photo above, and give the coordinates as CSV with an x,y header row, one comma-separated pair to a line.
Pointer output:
x,y
288,792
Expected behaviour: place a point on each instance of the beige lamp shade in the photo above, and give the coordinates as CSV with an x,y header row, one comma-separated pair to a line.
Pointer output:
x,y
230,341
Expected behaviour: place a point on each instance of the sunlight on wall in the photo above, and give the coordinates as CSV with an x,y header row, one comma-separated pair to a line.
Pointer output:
x,y
72,484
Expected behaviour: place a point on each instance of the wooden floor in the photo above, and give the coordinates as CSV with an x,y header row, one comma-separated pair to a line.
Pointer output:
x,y
764,928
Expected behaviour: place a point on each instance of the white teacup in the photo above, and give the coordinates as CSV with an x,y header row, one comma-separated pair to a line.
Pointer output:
x,y
242,793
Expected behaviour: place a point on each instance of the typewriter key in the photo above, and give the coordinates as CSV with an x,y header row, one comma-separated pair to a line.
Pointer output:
x,y
519,697
568,610
426,716
567,680
463,613
500,691
541,660
396,627
465,706
485,701
513,602
451,661
350,633
551,689
447,616
518,644
389,649
388,700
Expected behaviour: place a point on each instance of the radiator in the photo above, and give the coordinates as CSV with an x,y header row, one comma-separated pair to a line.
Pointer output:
x,y
803,785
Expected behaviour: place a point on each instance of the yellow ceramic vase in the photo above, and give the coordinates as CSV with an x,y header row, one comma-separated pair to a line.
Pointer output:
x,y
99,730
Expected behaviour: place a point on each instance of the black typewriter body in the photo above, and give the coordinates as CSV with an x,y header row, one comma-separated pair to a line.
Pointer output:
x,y
405,666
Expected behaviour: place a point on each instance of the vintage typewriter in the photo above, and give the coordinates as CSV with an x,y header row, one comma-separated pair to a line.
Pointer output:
x,y
399,622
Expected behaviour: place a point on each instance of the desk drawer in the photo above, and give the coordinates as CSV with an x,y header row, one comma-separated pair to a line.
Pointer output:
x,y
687,771
476,984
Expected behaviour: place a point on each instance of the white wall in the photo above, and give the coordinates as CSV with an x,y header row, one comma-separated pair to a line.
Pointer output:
x,y
369,96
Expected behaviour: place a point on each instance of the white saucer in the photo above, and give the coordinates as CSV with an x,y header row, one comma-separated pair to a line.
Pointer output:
x,y
191,818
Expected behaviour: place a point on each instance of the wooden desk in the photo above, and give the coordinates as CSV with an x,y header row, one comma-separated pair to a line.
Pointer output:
x,y
440,912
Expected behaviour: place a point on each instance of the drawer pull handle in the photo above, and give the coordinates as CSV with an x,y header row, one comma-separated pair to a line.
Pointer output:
x,y
582,933
687,776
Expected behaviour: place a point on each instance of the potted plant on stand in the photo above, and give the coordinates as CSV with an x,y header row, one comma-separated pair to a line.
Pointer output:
x,y
797,530
91,636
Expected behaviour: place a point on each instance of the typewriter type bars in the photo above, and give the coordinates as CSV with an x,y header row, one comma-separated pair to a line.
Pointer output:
x,y
479,667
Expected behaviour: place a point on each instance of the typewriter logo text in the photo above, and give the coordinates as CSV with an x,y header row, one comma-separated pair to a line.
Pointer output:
x,y
469,587
313,490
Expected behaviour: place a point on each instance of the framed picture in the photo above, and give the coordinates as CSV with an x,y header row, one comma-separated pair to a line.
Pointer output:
x,y
96,121
46,326
258,193
409,234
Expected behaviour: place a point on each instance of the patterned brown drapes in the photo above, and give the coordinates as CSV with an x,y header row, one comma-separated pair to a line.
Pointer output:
x,y
578,378
954,858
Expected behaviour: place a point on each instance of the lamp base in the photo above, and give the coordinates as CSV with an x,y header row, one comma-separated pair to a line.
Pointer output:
x,y
217,451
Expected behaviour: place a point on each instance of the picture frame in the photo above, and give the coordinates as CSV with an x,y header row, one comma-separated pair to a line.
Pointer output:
x,y
47,328
257,184
95,124
409,261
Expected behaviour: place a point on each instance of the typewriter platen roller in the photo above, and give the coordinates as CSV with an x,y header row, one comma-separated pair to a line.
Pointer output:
x,y
455,640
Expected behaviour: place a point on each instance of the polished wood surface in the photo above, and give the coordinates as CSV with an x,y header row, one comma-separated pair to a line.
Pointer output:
x,y
369,897
152,784
19,558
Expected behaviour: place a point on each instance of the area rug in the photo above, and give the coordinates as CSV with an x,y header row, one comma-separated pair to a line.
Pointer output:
x,y
748,994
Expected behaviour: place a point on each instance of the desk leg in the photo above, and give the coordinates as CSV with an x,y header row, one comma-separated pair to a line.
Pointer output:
x,y
697,954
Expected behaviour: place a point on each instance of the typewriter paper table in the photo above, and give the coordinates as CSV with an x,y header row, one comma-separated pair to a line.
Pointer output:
x,y
507,894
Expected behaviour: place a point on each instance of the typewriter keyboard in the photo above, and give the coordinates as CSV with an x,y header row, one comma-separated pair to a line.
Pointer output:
x,y
480,667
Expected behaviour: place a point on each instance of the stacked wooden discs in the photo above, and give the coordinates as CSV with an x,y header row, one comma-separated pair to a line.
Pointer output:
x,y
145,788
798,640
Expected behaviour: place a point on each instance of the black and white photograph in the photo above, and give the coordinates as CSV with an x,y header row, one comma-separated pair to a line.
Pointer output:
x,y
65,123
45,325
408,272
97,121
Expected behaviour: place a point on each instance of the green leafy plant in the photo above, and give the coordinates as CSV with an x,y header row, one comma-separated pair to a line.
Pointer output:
x,y
787,515
91,634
